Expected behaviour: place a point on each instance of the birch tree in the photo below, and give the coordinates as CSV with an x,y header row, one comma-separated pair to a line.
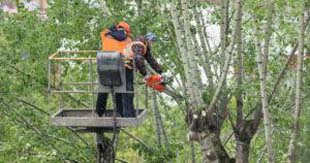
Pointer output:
x,y
262,59
242,126
204,52
212,148
160,130
190,55
223,116
298,99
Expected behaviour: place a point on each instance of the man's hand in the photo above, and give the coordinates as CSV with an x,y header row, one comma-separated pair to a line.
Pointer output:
x,y
155,82
166,78
146,78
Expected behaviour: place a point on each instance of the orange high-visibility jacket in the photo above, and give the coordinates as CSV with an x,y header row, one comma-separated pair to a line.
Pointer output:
x,y
111,44
129,54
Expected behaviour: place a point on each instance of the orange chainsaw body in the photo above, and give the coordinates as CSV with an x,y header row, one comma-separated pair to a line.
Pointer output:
x,y
155,82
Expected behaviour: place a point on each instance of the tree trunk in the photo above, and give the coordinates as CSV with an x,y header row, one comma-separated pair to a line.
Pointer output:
x,y
242,151
239,64
160,130
223,31
182,50
204,53
213,151
197,60
208,152
140,7
204,32
267,123
156,118
298,98
228,55
105,151
192,61
262,59
193,155
242,146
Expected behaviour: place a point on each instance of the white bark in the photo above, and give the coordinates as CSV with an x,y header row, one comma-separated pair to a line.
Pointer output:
x,y
298,98
198,61
204,25
267,35
193,63
228,52
204,53
182,50
267,123
223,31
262,59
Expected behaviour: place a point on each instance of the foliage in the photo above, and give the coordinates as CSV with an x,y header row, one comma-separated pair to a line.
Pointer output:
x,y
26,42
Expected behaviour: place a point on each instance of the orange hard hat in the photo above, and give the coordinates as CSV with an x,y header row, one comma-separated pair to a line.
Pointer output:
x,y
124,25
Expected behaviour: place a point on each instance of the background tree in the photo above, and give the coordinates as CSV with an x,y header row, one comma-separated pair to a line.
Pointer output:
x,y
214,70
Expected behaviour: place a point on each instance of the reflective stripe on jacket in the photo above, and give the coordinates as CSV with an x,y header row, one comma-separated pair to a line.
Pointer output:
x,y
131,51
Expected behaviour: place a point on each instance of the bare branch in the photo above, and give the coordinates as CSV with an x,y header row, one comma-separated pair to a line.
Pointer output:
x,y
228,53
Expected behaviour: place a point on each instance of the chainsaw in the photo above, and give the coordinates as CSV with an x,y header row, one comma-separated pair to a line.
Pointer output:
x,y
159,83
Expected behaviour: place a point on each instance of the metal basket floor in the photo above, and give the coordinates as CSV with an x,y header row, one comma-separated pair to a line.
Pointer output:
x,y
87,118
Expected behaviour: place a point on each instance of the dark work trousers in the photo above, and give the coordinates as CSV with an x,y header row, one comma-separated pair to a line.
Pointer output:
x,y
124,101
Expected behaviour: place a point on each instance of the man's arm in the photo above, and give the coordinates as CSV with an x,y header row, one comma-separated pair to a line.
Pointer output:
x,y
139,62
152,61
139,59
118,34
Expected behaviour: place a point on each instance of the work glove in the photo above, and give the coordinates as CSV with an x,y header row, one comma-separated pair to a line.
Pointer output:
x,y
146,77
166,78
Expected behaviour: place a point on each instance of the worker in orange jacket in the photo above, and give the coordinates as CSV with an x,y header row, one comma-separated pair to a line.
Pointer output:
x,y
116,38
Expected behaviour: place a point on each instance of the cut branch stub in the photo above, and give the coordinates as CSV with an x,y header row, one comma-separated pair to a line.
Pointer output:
x,y
200,125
